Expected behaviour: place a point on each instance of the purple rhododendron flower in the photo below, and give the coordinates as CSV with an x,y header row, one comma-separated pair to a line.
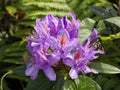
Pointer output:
x,y
42,60
82,55
56,39
63,44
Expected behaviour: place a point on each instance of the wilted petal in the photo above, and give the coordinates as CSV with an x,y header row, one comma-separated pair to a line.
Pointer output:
x,y
73,73
50,73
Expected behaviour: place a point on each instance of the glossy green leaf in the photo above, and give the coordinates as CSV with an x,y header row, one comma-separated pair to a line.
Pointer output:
x,y
85,29
40,83
101,11
87,23
59,83
86,83
104,68
101,26
81,83
69,85
83,35
114,20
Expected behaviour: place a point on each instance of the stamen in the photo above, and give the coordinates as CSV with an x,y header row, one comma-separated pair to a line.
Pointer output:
x,y
77,56
44,51
46,26
63,40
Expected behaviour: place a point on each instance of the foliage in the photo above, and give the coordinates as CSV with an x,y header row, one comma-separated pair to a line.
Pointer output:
x,y
17,18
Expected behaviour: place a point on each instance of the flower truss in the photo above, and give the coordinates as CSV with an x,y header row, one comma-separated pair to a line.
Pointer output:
x,y
56,39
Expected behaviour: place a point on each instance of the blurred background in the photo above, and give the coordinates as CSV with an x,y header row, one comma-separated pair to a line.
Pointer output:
x,y
17,18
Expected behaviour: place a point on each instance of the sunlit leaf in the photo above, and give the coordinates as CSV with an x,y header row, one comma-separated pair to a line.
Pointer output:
x,y
69,85
87,23
101,26
85,29
83,35
86,83
114,20
81,83
104,68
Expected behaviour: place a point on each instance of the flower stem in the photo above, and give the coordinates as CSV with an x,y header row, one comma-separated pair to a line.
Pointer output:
x,y
9,72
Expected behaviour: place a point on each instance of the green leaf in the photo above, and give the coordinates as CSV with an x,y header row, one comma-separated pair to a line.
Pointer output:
x,y
86,83
11,10
40,83
20,70
83,35
101,11
87,23
86,29
114,20
13,61
104,68
69,85
18,73
101,26
59,83
81,83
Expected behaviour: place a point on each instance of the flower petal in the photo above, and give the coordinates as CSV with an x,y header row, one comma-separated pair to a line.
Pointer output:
x,y
63,37
94,34
53,58
50,73
73,73
68,61
53,43
88,70
31,71
72,44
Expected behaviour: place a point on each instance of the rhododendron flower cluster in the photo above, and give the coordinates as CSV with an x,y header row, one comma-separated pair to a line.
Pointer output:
x,y
56,40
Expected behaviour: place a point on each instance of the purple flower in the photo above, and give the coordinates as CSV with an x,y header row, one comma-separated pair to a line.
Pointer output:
x,y
63,44
56,39
42,60
83,54
71,27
